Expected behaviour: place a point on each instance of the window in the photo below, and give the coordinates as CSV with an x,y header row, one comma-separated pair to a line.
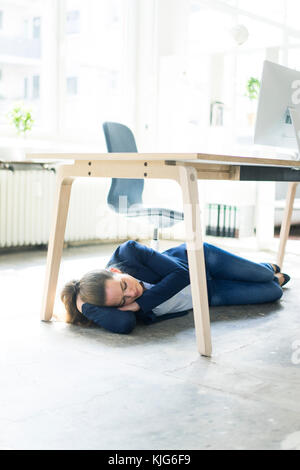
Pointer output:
x,y
35,87
36,28
73,22
21,56
261,8
66,92
25,88
216,66
93,59
72,85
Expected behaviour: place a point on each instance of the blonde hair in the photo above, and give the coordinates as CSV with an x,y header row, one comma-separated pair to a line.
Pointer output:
x,y
91,288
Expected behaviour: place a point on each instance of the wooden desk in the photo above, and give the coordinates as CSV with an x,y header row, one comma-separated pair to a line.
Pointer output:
x,y
186,169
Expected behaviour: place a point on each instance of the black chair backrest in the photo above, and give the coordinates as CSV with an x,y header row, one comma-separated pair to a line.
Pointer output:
x,y
120,139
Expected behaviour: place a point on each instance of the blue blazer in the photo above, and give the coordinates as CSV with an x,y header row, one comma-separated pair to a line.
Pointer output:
x,y
169,273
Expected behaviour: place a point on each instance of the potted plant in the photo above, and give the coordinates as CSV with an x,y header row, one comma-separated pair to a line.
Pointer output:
x,y
252,93
21,118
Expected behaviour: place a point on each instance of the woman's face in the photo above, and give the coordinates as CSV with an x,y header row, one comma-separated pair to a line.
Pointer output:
x,y
122,290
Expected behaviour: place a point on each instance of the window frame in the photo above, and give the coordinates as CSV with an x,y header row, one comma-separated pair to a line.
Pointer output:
x,y
53,76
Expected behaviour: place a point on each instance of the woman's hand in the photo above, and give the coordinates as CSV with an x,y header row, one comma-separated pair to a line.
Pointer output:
x,y
134,307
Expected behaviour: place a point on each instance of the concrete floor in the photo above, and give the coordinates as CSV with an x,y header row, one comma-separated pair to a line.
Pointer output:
x,y
66,387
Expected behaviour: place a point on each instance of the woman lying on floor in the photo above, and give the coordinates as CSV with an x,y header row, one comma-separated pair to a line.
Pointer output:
x,y
139,283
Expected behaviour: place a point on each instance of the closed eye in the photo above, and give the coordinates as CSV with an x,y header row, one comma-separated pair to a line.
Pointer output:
x,y
123,286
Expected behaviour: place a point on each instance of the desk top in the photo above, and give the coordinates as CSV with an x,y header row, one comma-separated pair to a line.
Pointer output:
x,y
167,158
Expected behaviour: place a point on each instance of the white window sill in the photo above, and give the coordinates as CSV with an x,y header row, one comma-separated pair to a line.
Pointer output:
x,y
15,148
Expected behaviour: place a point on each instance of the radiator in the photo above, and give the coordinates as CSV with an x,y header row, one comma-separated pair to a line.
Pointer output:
x,y
26,205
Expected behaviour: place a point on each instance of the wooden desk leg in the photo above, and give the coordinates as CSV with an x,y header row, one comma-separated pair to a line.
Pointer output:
x,y
189,185
56,242
286,223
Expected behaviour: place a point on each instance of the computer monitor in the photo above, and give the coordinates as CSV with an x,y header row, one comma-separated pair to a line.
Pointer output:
x,y
279,107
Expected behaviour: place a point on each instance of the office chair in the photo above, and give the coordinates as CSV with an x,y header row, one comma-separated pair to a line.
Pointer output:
x,y
126,195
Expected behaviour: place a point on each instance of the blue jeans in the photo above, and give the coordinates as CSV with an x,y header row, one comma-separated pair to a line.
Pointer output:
x,y
232,280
